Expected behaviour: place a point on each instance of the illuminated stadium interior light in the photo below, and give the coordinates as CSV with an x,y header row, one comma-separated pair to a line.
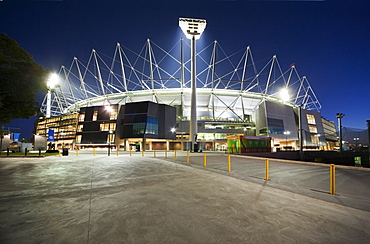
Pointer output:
x,y
284,94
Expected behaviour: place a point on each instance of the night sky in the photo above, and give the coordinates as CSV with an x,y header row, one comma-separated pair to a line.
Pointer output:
x,y
329,41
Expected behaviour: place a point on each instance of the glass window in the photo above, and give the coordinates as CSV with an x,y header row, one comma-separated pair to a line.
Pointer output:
x,y
113,114
315,139
138,128
152,126
81,118
78,138
275,126
80,128
107,127
110,138
312,128
95,116
311,119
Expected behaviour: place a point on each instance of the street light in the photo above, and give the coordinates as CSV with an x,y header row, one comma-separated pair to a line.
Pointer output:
x,y
193,29
51,83
339,117
109,109
356,139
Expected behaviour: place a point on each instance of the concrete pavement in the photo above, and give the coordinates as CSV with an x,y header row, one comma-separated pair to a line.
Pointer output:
x,y
135,199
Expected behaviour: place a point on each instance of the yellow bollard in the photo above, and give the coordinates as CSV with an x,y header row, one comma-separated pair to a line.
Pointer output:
x,y
267,169
155,155
142,153
228,164
187,156
94,152
130,152
165,154
205,160
174,155
76,153
332,180
59,153
117,152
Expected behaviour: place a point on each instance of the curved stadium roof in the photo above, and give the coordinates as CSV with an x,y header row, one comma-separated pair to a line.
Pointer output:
x,y
228,86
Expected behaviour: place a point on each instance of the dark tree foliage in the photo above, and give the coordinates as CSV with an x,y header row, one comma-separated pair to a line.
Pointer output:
x,y
20,79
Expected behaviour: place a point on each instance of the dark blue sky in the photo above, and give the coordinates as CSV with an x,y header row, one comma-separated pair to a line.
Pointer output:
x,y
329,41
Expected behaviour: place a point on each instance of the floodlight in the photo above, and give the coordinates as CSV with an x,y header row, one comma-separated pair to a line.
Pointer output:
x,y
52,81
284,94
192,27
109,109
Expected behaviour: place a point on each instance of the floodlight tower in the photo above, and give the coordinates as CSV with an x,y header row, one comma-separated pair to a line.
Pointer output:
x,y
193,29
51,84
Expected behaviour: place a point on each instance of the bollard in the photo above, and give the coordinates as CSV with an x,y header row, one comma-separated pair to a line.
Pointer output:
x,y
94,152
76,152
7,151
25,152
60,154
332,179
228,164
155,154
205,160
142,153
130,152
267,169
165,154
117,152
187,156
39,151
174,155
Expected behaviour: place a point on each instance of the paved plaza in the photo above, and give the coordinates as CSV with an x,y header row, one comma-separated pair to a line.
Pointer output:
x,y
152,199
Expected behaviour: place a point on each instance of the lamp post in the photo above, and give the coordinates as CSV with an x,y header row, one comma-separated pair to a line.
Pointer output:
x,y
51,84
339,117
356,139
193,29
109,109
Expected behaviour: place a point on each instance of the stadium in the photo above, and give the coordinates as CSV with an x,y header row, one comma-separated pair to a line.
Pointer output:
x,y
92,102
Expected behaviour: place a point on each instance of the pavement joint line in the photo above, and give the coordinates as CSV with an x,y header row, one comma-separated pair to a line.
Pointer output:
x,y
302,162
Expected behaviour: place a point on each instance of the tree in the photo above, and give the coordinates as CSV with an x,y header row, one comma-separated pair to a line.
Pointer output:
x,y
20,80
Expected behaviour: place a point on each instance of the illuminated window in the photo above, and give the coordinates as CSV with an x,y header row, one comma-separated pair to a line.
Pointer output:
x,y
311,119
315,139
95,116
113,114
80,128
81,118
152,126
107,126
312,128
78,138
110,138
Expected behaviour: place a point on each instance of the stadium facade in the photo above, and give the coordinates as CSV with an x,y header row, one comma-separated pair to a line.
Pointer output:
x,y
144,98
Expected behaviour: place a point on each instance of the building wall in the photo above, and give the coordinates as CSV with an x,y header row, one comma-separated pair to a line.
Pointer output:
x,y
148,120
98,123
312,129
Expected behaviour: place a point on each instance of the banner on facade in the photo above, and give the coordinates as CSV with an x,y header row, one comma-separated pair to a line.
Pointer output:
x,y
51,135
